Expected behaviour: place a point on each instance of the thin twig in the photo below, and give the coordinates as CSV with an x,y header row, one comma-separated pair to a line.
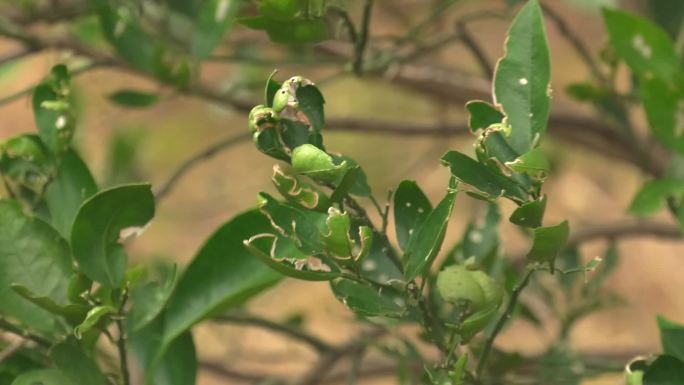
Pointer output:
x,y
248,320
51,14
347,22
567,126
576,42
475,49
615,231
362,40
203,155
318,372
10,350
23,333
507,314
19,54
121,342
11,98
624,230
357,362
428,80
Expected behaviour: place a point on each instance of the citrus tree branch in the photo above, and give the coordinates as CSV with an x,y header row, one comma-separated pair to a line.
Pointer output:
x,y
297,334
619,230
575,41
21,332
507,314
362,40
194,160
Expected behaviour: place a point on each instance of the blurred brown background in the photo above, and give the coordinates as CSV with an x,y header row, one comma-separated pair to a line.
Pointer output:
x,y
585,186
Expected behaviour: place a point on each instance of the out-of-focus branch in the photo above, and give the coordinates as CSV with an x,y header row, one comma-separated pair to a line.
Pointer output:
x,y
501,322
621,230
16,330
575,41
317,373
27,90
294,333
189,163
475,49
362,40
615,231
19,54
444,84
51,14
335,378
9,351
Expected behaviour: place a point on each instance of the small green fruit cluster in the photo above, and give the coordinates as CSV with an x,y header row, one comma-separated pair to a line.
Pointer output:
x,y
458,284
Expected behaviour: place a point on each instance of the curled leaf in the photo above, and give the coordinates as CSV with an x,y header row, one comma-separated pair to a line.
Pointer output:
x,y
282,255
484,295
92,318
298,192
25,166
338,241
285,100
311,161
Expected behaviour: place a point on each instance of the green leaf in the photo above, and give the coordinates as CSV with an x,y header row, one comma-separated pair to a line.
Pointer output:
x,y
101,225
283,256
55,124
282,9
346,184
311,161
311,103
456,283
411,208
668,14
42,377
530,214
367,300
665,370
548,242
533,162
25,167
297,192
72,361
477,175
92,318
70,187
522,78
186,7
671,337
483,294
303,227
127,37
644,46
360,186
303,31
33,255
652,195
377,266
133,98
482,115
178,364
607,266
73,313
340,244
272,86
213,19
221,275
150,298
459,370
428,238
481,239
663,106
